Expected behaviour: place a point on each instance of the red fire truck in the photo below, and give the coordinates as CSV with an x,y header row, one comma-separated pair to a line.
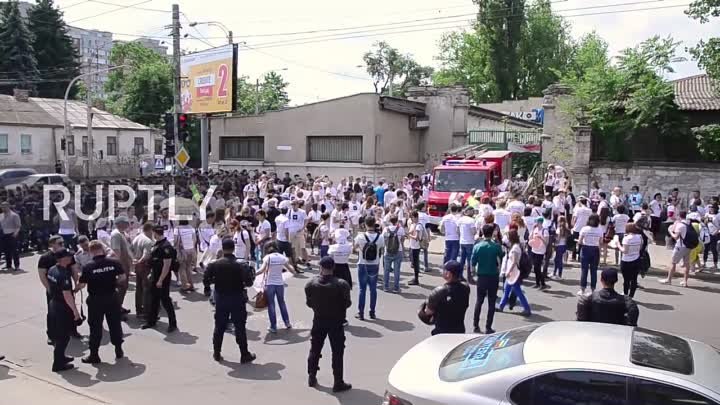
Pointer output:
x,y
465,169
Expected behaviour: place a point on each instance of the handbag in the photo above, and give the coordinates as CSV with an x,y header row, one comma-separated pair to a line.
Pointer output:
x,y
260,298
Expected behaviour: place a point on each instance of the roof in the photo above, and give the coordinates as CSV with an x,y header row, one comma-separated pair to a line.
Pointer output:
x,y
498,116
696,93
48,112
402,105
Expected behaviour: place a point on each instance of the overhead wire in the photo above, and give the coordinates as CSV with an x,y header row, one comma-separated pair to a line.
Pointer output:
x,y
110,11
311,67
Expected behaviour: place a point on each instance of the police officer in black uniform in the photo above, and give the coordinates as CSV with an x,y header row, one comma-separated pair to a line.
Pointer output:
x,y
448,303
230,278
102,276
63,314
162,258
329,298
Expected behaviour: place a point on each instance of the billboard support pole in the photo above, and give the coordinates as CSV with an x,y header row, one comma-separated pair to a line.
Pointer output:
x,y
178,73
204,138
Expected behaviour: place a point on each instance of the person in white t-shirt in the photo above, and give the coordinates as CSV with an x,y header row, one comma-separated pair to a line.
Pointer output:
x,y
297,220
681,252
580,216
467,229
241,237
274,284
616,199
656,209
631,245
449,228
515,206
369,245
502,216
620,221
185,240
591,236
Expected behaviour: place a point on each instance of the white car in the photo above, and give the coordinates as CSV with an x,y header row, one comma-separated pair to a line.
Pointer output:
x,y
43,179
558,363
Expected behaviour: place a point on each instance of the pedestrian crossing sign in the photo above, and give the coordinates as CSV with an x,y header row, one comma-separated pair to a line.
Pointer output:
x,y
182,157
159,163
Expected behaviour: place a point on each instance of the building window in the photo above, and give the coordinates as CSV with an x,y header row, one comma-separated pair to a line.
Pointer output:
x,y
25,144
112,146
158,146
334,148
139,146
3,143
84,146
242,148
70,145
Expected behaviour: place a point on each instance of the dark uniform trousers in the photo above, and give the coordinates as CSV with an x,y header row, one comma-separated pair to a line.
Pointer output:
x,y
104,307
142,288
60,325
333,329
230,307
486,286
161,296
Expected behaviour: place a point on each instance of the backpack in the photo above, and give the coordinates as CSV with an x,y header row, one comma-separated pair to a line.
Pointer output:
x,y
424,240
392,245
691,239
370,250
525,265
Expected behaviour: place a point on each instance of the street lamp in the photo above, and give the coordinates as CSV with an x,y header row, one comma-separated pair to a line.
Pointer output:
x,y
66,127
228,33
257,88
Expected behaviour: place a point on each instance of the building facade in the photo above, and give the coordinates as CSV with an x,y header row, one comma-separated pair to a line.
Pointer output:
x,y
93,48
31,133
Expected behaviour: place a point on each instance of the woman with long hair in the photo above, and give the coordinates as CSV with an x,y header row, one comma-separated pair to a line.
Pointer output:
x,y
511,271
589,241
608,229
274,285
563,233
631,245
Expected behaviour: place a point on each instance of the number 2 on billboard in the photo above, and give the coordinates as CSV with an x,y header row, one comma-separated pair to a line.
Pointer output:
x,y
223,73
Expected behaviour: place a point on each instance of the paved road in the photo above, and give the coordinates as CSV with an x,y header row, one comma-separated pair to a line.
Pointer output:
x,y
179,369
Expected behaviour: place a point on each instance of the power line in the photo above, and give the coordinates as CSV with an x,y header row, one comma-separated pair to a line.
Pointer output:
x,y
157,10
74,4
306,66
110,11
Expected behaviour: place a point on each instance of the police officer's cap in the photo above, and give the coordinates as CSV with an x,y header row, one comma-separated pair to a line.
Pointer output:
x,y
454,267
158,229
62,253
228,244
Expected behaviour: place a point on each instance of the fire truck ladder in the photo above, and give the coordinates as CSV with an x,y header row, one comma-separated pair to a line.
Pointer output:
x,y
465,152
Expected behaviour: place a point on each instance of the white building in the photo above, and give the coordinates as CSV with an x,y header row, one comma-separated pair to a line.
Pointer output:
x,y
31,130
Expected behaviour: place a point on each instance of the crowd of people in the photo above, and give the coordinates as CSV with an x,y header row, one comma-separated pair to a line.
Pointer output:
x,y
259,229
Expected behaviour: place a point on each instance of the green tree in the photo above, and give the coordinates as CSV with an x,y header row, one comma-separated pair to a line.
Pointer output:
x,y
18,66
271,94
707,53
708,138
144,91
394,71
53,49
512,52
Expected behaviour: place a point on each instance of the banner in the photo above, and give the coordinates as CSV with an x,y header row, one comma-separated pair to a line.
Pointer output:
x,y
208,80
517,148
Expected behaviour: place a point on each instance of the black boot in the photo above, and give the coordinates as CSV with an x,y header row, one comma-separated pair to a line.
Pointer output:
x,y
93,358
247,358
341,386
312,380
119,354
217,357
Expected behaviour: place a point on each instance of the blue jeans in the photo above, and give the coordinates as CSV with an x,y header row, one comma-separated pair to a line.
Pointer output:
x,y
272,292
452,248
324,250
466,255
589,261
367,277
559,253
391,263
517,290
425,259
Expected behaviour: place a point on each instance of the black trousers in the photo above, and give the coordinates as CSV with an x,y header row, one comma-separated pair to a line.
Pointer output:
x,y
537,261
12,256
630,271
711,248
104,307
342,271
332,329
487,286
230,307
415,261
161,296
60,325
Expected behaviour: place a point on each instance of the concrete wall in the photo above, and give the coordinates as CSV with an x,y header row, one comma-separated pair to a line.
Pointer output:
x,y
558,145
658,177
42,155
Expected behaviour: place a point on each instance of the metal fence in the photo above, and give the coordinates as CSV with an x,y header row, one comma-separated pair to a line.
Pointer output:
x,y
334,148
500,137
242,148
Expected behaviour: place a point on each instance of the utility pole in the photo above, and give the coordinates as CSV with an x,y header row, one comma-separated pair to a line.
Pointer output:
x,y
178,73
230,38
257,96
90,143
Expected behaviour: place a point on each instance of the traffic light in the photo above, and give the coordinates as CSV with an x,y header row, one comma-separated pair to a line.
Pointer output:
x,y
169,126
62,144
184,128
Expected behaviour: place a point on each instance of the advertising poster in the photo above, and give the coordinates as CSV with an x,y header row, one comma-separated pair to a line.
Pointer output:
x,y
208,80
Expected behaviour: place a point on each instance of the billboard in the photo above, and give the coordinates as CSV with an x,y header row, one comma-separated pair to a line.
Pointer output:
x,y
209,80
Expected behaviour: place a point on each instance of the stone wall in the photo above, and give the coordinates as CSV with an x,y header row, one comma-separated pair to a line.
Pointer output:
x,y
558,144
658,177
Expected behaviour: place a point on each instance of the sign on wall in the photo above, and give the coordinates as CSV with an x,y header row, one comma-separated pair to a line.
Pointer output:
x,y
209,80
535,115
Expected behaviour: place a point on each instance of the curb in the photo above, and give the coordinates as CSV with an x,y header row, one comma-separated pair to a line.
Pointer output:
x,y
19,369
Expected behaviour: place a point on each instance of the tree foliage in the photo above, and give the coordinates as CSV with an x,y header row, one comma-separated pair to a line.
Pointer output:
x,y
391,69
707,53
271,93
708,139
514,51
144,91
53,49
18,66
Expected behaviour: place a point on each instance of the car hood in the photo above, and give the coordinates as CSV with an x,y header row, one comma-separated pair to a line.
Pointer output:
x,y
416,375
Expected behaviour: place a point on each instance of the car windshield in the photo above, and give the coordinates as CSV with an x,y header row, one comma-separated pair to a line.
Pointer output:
x,y
459,180
486,354
659,350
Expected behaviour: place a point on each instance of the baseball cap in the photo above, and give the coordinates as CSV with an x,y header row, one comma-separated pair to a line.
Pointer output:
x,y
453,266
478,193
327,263
609,276
122,219
228,244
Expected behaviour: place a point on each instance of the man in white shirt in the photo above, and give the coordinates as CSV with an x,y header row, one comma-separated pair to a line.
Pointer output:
x,y
502,216
581,213
515,206
389,196
368,245
616,199
297,219
603,202
282,234
449,228
467,231
119,244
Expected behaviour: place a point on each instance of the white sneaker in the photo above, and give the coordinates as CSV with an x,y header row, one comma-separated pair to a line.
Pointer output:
x,y
580,293
663,281
683,284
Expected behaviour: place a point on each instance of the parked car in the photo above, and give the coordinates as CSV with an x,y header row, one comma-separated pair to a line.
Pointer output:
x,y
558,363
44,179
13,176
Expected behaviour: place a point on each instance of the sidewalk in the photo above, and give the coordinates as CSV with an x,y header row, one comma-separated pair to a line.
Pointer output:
x,y
21,387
